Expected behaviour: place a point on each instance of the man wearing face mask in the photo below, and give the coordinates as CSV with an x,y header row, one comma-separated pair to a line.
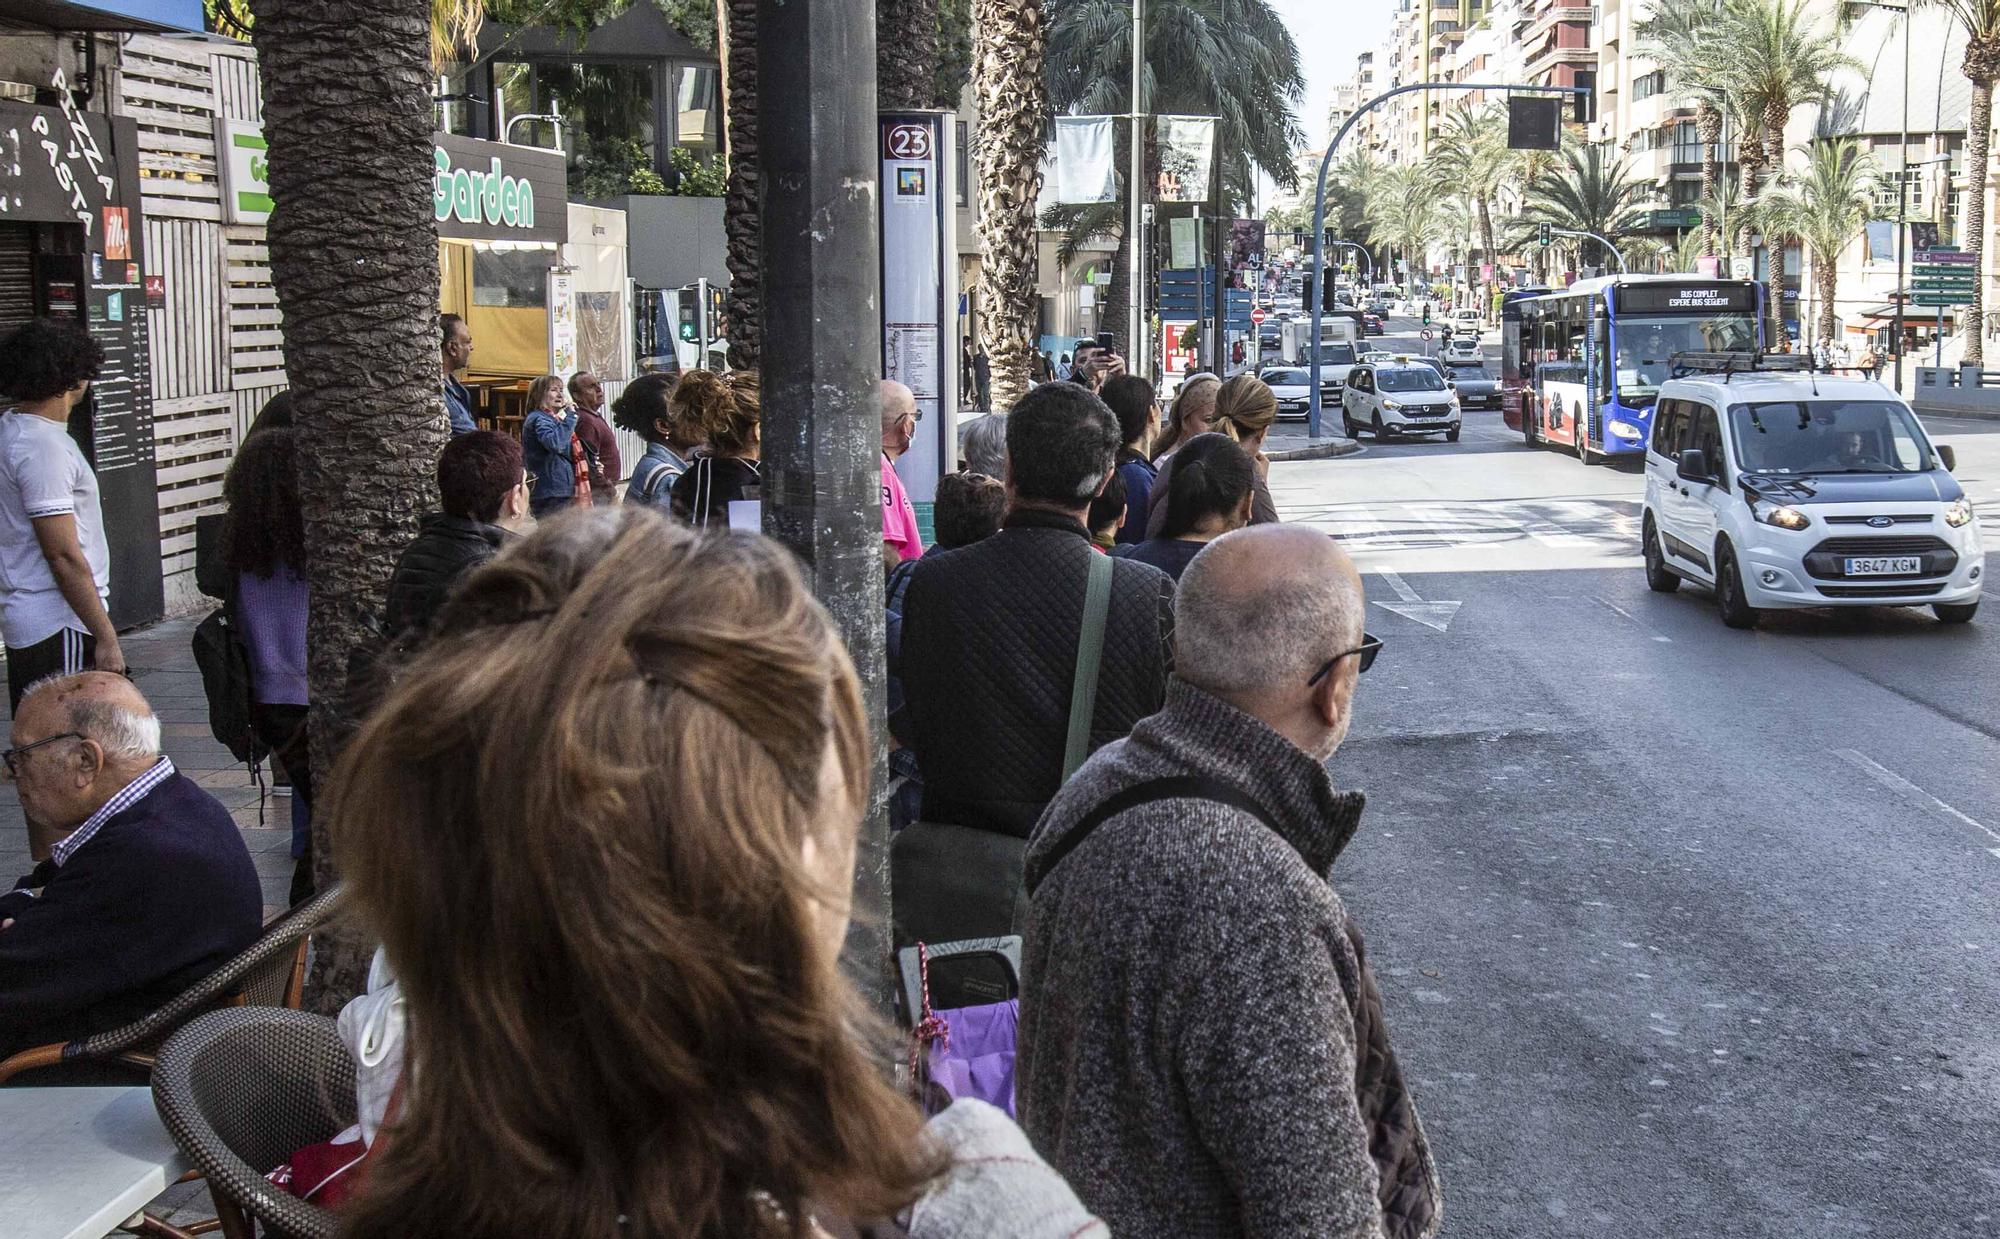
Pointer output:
x,y
1202,1050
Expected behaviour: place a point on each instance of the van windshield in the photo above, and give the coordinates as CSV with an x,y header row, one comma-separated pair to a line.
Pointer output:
x,y
1828,436
1416,378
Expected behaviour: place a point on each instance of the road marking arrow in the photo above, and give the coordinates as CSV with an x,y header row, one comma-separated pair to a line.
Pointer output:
x,y
1436,615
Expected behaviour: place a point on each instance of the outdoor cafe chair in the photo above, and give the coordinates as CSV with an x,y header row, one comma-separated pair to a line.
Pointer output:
x,y
243,1089
268,973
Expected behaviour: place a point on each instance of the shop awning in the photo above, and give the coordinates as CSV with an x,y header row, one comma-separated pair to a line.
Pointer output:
x,y
107,16
1916,313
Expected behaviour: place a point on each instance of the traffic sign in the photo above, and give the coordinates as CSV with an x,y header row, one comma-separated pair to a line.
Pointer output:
x,y
1956,258
1257,316
1940,299
1426,333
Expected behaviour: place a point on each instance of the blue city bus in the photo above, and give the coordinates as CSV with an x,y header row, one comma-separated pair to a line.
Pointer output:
x,y
1585,365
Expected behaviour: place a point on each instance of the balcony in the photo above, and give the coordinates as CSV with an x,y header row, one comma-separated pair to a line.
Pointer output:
x,y
1550,56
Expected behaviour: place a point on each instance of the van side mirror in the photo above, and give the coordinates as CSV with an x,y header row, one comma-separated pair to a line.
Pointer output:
x,y
1948,457
1693,466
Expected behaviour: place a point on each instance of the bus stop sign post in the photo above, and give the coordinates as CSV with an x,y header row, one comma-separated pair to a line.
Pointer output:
x,y
1581,96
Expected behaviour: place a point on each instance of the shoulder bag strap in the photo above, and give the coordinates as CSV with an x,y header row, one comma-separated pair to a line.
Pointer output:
x,y
1177,787
1089,657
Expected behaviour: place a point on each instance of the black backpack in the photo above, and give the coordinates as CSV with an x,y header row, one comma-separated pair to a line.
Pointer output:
x,y
225,676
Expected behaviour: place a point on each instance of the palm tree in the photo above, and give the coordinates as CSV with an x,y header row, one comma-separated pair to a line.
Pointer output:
x,y
354,258
1824,206
1683,40
1981,66
1008,46
1235,61
1776,55
906,53
742,204
1405,213
1585,193
1473,157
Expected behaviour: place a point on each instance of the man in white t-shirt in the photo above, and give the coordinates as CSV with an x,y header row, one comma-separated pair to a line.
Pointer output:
x,y
55,566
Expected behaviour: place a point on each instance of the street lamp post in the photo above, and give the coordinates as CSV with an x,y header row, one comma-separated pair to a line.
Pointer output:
x,y
1319,201
1135,266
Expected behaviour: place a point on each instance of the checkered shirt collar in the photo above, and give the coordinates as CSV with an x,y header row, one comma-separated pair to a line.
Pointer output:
x,y
132,793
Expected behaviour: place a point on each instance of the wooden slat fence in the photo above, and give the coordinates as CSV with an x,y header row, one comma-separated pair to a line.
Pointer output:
x,y
217,353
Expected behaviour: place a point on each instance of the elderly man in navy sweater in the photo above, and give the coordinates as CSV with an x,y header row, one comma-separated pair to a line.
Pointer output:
x,y
143,884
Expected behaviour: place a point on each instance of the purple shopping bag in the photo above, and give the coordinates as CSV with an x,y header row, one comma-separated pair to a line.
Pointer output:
x,y
964,1052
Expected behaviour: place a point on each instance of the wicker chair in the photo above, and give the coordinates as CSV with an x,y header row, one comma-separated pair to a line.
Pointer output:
x,y
242,1090
268,973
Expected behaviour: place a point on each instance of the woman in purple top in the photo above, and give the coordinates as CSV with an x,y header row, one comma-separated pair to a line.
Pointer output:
x,y
263,546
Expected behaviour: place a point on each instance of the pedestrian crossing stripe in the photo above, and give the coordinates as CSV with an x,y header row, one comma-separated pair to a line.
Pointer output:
x,y
1564,524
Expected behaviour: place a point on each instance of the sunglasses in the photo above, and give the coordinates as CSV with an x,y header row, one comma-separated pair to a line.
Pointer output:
x,y
11,757
1370,646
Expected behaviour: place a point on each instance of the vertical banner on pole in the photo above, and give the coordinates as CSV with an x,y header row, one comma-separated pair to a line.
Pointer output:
x,y
920,288
561,308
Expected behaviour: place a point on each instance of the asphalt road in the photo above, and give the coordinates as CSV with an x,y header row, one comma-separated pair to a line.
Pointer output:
x,y
1683,931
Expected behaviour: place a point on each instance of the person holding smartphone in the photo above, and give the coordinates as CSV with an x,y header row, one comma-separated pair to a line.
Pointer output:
x,y
1096,362
549,449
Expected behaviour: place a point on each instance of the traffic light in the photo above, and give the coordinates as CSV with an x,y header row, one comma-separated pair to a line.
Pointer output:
x,y
1328,296
1547,234
1427,313
1306,287
689,307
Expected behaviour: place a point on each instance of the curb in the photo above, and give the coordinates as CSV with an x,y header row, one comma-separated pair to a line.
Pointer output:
x,y
1325,449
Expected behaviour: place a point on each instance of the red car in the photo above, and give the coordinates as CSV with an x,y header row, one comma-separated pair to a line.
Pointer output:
x,y
1371,324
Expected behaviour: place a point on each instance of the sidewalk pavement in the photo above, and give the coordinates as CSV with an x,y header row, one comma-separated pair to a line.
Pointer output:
x,y
162,662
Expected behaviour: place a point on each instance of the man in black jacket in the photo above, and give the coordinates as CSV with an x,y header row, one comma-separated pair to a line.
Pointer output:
x,y
485,500
990,631
143,884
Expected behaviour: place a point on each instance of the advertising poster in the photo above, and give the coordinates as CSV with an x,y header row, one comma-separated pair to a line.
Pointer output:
x,y
919,286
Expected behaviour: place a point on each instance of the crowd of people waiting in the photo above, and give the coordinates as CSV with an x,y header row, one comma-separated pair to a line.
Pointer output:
x,y
601,815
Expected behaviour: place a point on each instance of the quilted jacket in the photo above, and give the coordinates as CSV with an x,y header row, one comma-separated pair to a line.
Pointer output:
x,y
1202,1050
989,657
447,547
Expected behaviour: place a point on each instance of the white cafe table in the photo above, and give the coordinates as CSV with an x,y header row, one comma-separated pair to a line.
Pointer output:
x,y
75,1162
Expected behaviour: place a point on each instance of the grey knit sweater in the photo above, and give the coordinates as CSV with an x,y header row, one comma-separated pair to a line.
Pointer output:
x,y
1187,1055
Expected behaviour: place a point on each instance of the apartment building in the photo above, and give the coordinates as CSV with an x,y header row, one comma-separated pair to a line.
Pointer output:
x,y
1644,122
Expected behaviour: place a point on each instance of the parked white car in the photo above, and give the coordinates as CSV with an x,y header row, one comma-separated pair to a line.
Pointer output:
x,y
1783,489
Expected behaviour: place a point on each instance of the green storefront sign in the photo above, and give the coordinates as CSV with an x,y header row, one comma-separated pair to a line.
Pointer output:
x,y
474,195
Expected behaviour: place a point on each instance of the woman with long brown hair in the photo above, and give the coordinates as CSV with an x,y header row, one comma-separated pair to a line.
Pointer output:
x,y
1245,410
605,830
1193,410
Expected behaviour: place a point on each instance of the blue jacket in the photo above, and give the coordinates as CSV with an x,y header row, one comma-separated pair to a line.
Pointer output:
x,y
458,407
1137,473
159,897
545,451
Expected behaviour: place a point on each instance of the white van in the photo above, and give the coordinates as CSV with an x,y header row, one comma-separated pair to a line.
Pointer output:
x,y
1783,489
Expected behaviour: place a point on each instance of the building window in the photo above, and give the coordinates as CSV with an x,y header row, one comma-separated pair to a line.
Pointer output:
x,y
697,109
1650,84
964,164
609,133
512,278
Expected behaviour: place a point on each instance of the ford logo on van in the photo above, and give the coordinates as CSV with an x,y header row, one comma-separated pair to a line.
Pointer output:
x,y
1879,522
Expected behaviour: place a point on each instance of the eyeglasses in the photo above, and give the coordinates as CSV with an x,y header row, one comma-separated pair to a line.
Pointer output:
x,y
12,757
1370,646
528,480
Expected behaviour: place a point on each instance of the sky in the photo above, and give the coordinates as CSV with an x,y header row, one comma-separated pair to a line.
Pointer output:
x,y
1330,34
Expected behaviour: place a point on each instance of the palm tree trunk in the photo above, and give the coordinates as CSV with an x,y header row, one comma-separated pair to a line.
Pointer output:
x,y
1009,40
354,257
1488,251
1708,126
1828,271
1982,58
906,53
1750,163
742,208
1117,300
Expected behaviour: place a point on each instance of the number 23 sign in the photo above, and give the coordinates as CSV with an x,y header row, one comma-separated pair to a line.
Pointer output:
x,y
907,142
